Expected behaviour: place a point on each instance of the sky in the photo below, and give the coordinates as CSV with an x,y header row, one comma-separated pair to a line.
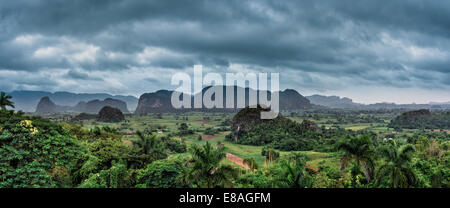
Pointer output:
x,y
370,51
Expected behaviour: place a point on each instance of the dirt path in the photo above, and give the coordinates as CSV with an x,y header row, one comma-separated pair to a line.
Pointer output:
x,y
237,160
209,137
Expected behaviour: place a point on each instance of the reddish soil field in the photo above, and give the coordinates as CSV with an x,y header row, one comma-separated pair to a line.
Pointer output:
x,y
209,137
237,160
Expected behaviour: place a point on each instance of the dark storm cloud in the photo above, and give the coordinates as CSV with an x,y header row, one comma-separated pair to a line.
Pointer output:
x,y
77,74
80,75
390,43
430,17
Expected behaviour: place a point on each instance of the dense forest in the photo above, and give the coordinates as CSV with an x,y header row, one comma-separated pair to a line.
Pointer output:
x,y
421,119
37,152
282,133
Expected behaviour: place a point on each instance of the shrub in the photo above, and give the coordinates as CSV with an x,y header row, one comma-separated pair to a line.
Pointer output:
x,y
161,174
33,152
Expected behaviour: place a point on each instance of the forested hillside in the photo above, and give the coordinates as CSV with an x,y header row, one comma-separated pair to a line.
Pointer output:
x,y
422,119
208,150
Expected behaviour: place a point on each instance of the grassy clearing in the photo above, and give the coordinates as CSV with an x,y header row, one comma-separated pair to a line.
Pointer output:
x,y
248,151
200,121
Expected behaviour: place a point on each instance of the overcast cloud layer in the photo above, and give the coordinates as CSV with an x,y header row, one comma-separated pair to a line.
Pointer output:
x,y
371,51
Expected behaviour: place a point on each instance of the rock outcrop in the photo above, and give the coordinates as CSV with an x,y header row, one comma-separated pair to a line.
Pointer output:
x,y
160,101
156,102
248,117
110,114
46,105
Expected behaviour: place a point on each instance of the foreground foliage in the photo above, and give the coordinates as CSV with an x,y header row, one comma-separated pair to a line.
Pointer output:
x,y
205,169
37,152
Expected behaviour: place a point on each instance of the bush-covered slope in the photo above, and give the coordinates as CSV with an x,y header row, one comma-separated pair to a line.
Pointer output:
x,y
281,132
35,152
421,119
110,114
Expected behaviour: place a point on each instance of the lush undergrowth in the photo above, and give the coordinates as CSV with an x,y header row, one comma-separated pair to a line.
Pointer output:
x,y
170,150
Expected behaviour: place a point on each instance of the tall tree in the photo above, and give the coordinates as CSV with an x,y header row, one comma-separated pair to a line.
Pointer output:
x,y
5,101
397,167
360,150
205,169
293,174
251,163
150,145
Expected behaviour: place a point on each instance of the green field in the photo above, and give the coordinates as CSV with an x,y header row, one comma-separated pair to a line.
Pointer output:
x,y
169,123
173,143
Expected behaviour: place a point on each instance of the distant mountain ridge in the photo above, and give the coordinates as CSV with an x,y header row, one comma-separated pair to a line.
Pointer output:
x,y
28,100
46,105
439,103
347,103
333,101
160,101
94,106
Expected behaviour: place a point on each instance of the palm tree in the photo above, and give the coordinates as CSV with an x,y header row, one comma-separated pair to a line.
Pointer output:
x,y
397,167
360,150
293,174
206,170
150,145
5,101
251,163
